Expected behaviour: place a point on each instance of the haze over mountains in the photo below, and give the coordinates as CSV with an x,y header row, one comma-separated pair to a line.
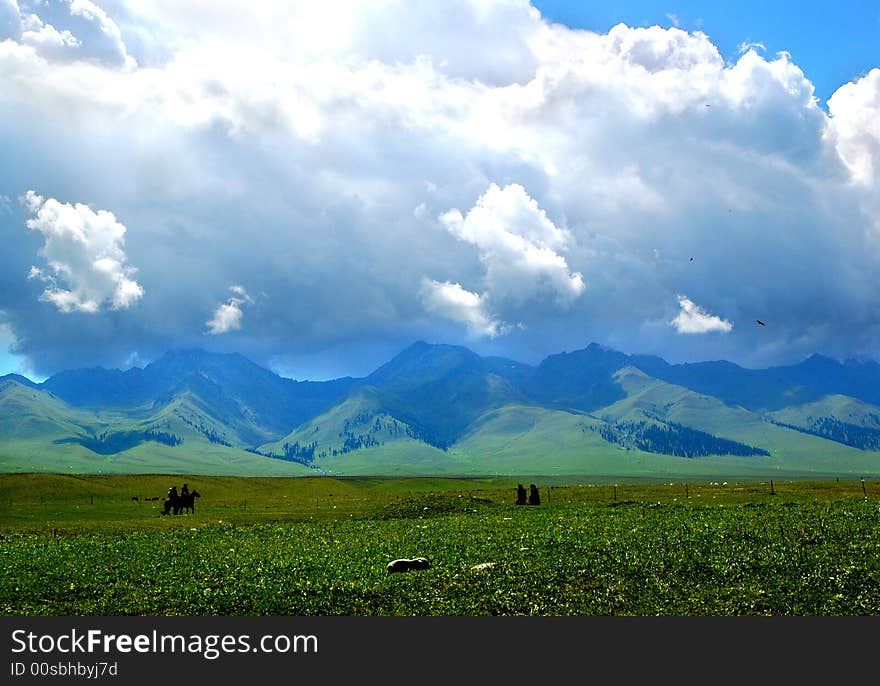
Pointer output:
x,y
444,410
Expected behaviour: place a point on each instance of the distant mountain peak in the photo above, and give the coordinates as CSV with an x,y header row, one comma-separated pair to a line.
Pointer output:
x,y
194,359
593,352
425,360
195,354
819,357
422,347
18,378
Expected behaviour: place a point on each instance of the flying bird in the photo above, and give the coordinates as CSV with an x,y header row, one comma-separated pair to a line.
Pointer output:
x,y
760,322
692,259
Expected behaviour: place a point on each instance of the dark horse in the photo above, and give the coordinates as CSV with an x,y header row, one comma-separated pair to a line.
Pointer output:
x,y
187,501
180,503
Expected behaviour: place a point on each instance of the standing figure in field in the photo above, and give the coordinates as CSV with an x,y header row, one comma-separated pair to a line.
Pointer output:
x,y
520,495
534,496
171,502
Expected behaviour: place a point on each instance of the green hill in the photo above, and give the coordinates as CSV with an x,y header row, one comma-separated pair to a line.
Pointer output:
x,y
439,390
41,433
359,437
837,418
789,449
538,441
27,412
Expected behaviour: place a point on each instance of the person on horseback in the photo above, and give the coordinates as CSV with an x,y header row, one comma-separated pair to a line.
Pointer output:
x,y
184,501
171,501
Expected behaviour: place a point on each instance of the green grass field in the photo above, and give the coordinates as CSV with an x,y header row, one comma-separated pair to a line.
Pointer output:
x,y
310,546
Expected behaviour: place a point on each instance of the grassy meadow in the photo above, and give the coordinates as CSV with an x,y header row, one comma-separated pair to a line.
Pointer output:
x,y
310,546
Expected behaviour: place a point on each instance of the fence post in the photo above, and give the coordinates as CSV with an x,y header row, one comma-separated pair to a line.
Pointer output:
x,y
772,492
686,492
863,487
615,491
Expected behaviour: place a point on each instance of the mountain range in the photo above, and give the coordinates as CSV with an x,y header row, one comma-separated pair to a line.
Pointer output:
x,y
444,410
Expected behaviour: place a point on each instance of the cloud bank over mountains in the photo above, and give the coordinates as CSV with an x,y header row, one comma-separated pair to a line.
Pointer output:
x,y
392,171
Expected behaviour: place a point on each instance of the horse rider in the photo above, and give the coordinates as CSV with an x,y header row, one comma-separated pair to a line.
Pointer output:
x,y
184,491
172,501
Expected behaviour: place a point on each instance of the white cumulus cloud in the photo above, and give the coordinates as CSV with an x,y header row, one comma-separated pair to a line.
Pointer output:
x,y
100,34
693,319
10,19
855,124
228,316
453,302
517,244
79,30
87,268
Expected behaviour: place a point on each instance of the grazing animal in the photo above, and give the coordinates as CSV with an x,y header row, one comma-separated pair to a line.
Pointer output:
x,y
405,564
135,498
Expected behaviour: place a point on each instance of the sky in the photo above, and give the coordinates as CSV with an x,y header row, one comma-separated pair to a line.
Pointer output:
x,y
318,185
